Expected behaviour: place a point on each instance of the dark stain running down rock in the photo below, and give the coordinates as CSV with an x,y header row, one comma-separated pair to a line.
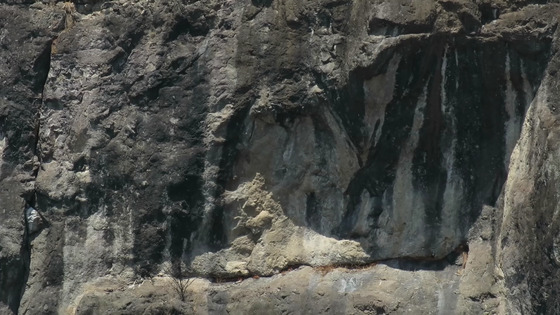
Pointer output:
x,y
445,135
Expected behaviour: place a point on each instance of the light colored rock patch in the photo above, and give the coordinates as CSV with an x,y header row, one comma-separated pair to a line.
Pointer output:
x,y
279,243
513,122
90,240
33,219
480,289
314,157
404,11
304,290
216,122
453,196
2,145
378,92
58,181
406,220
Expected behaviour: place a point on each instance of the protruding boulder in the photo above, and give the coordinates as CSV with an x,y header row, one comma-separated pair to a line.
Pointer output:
x,y
33,219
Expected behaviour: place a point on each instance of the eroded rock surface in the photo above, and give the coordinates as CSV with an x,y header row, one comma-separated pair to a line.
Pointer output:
x,y
242,140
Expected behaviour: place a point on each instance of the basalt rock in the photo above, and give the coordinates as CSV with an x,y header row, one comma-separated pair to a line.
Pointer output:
x,y
369,156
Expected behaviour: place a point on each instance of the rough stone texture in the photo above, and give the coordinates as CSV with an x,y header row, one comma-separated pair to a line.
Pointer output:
x,y
24,64
366,291
241,140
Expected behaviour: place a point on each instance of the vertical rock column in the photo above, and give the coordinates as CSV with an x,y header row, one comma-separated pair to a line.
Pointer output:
x,y
25,40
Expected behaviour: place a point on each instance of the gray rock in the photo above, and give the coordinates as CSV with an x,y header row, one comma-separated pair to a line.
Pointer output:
x,y
33,219
277,149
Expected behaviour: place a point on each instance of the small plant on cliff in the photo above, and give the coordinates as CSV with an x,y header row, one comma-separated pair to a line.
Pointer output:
x,y
180,279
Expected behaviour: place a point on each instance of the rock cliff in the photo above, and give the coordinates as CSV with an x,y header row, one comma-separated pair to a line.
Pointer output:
x,y
279,156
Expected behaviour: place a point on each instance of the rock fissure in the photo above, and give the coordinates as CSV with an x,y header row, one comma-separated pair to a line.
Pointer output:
x,y
31,216
47,67
457,257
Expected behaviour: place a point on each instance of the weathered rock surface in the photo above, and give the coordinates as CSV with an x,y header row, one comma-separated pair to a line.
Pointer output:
x,y
270,141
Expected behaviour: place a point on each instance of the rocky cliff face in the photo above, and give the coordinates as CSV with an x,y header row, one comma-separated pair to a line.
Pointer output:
x,y
325,156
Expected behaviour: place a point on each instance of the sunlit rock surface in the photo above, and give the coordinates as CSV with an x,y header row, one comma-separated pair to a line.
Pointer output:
x,y
368,156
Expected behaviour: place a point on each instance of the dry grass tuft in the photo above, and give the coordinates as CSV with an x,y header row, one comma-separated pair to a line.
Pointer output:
x,y
180,280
